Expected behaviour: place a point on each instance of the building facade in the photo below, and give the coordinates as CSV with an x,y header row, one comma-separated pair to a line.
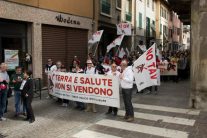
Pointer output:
x,y
176,33
46,29
128,15
145,22
109,14
163,24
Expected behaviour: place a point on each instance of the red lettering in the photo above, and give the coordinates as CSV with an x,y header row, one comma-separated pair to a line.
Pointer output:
x,y
81,80
68,87
60,86
70,79
104,81
66,78
87,81
149,57
96,90
149,51
92,83
109,92
152,71
62,78
75,88
154,76
98,82
110,82
90,89
152,65
75,80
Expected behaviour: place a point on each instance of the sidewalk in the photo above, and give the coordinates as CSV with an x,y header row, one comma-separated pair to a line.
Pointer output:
x,y
163,115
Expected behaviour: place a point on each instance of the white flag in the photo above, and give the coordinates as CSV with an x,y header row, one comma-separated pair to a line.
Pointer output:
x,y
143,48
145,69
124,29
128,53
122,53
96,37
116,42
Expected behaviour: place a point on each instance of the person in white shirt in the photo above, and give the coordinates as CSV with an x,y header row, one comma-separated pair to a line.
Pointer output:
x,y
126,80
4,85
113,72
56,67
90,70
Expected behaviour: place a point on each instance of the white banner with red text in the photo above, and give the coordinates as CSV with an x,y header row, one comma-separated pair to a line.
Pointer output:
x,y
96,37
97,89
145,70
124,29
168,68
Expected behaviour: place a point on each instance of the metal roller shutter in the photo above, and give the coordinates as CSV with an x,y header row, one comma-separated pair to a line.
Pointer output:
x,y
77,41
62,44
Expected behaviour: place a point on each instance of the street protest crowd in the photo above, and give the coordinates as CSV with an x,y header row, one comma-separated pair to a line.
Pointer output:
x,y
99,79
121,67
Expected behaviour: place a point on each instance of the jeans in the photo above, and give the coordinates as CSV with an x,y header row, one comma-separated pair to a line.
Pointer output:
x,y
127,97
17,96
3,98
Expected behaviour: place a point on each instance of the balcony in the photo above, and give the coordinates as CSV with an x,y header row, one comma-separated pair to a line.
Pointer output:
x,y
129,16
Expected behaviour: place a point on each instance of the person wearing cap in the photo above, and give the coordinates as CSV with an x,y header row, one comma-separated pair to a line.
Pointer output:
x,y
27,94
126,80
90,70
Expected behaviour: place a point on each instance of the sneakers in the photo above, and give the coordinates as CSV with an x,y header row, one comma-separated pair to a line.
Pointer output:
x,y
2,119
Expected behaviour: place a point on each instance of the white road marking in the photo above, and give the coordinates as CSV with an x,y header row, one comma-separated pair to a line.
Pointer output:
x,y
168,119
167,109
143,129
92,134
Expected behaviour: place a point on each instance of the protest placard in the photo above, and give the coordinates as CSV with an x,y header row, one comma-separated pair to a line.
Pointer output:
x,y
124,29
98,89
168,68
145,70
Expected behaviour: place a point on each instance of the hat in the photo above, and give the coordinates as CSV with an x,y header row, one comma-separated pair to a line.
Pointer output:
x,y
89,62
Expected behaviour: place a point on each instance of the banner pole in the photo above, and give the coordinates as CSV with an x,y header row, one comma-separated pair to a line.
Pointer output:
x,y
96,49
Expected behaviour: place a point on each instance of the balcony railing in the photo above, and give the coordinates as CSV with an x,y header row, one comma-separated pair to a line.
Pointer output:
x,y
128,17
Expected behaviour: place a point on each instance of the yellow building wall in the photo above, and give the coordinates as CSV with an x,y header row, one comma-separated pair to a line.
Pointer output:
x,y
76,7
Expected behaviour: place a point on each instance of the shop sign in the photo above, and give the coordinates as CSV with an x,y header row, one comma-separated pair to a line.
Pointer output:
x,y
67,20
